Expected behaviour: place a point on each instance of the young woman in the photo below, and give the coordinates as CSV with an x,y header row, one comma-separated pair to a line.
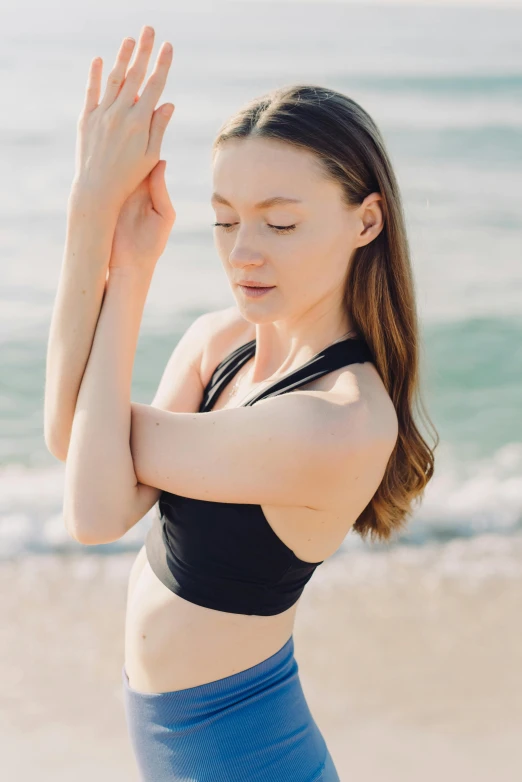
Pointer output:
x,y
279,425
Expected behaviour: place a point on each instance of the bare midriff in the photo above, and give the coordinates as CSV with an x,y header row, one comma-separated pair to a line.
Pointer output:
x,y
172,644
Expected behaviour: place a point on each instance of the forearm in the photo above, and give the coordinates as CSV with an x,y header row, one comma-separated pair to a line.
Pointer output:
x,y
81,288
100,481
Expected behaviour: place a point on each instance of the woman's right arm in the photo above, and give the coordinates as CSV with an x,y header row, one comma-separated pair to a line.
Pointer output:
x,y
77,307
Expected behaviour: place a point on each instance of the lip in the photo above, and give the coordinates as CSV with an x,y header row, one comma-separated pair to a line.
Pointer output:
x,y
253,284
253,292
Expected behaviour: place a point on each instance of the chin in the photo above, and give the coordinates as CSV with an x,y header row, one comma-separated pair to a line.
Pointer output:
x,y
254,312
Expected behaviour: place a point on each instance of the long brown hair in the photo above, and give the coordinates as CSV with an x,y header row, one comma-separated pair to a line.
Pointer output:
x,y
379,291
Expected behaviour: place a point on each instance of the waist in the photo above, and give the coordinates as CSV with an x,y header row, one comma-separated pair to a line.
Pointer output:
x,y
171,643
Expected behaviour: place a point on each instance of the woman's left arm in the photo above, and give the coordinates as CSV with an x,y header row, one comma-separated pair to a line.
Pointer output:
x,y
100,480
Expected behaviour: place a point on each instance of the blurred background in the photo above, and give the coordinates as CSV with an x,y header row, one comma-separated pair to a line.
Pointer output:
x,y
410,652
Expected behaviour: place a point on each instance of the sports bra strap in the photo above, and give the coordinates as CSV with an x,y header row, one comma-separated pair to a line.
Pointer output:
x,y
338,354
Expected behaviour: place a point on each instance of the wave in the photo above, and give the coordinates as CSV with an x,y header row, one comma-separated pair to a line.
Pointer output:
x,y
463,501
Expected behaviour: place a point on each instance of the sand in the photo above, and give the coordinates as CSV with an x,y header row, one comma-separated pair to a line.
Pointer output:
x,y
411,661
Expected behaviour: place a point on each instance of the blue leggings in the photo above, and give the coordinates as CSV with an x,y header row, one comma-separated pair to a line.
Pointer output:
x,y
252,726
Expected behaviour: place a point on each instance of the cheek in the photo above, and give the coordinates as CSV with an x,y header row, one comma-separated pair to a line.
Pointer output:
x,y
220,239
302,260
223,249
300,276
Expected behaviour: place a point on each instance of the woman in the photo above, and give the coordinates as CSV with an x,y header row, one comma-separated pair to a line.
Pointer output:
x,y
279,424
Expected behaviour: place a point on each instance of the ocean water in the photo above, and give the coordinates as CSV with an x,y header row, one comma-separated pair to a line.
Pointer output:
x,y
443,83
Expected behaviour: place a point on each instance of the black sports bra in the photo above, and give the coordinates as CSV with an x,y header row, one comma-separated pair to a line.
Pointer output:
x,y
226,556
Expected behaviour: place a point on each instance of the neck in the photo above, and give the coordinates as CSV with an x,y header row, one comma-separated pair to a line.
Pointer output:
x,y
275,356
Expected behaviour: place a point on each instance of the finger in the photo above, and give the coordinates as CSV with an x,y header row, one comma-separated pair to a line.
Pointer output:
x,y
158,126
117,75
93,89
157,80
158,191
136,73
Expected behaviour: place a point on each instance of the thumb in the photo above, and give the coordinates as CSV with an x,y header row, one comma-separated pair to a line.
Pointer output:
x,y
158,191
158,126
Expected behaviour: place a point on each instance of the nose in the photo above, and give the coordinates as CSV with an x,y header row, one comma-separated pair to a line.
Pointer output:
x,y
239,258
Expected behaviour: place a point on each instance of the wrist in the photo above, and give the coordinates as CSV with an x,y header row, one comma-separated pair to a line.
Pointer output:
x,y
86,200
88,242
131,282
135,274
87,217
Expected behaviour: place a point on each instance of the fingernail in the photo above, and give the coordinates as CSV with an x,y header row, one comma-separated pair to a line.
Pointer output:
x,y
167,110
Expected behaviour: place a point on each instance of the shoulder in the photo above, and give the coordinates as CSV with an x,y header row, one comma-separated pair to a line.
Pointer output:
x,y
354,426
347,438
224,330
196,354
371,418
346,422
374,412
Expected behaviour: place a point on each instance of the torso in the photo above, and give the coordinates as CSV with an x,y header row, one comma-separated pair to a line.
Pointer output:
x,y
172,644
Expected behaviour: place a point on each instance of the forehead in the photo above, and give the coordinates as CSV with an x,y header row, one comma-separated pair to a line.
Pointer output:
x,y
252,170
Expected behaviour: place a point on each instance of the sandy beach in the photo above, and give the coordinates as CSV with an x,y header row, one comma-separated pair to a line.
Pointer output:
x,y
410,660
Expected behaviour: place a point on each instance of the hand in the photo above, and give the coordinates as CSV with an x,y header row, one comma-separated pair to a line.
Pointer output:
x,y
119,139
144,224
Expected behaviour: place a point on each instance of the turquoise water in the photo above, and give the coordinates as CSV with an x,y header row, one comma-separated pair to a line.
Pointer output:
x,y
445,87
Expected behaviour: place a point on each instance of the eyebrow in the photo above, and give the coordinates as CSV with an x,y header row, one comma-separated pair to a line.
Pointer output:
x,y
262,204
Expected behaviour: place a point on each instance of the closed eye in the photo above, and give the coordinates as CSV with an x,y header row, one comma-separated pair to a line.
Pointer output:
x,y
280,228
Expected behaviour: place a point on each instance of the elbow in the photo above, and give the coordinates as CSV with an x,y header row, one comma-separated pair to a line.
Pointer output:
x,y
76,534
94,510
90,535
91,528
58,453
55,446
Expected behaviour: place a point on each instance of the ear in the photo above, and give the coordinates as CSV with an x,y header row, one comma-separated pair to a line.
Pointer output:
x,y
372,218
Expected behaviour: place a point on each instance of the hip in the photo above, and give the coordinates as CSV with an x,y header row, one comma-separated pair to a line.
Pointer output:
x,y
254,724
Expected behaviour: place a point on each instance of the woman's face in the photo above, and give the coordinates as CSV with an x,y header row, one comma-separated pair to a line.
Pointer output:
x,y
306,264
